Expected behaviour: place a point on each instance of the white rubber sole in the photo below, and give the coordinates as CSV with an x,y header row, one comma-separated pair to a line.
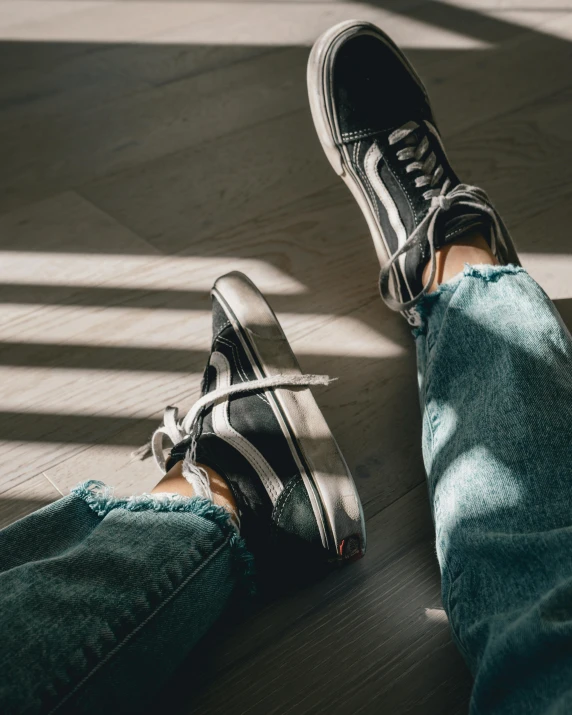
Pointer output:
x,y
326,475
319,78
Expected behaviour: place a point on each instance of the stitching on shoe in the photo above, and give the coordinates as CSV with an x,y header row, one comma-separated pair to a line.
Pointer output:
x,y
366,182
285,494
223,327
463,229
255,461
250,452
239,366
357,132
371,193
361,134
225,431
404,190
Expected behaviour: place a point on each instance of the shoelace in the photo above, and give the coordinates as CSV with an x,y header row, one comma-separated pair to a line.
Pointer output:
x,y
431,174
442,199
177,430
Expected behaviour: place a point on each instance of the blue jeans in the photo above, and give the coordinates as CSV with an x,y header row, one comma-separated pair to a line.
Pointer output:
x,y
100,599
495,380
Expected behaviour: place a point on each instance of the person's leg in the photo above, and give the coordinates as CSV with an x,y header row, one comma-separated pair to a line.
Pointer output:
x,y
495,375
101,598
451,260
494,369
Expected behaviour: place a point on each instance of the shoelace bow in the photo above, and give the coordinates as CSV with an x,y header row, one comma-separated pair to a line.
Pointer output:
x,y
442,199
177,430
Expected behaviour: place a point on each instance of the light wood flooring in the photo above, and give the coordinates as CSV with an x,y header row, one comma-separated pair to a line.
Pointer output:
x,y
148,147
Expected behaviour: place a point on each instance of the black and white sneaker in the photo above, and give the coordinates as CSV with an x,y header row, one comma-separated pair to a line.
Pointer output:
x,y
375,123
257,425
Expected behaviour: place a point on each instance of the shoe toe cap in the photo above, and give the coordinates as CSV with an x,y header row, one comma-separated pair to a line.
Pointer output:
x,y
373,86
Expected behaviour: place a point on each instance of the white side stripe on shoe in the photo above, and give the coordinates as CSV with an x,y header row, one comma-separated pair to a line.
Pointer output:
x,y
371,161
225,431
177,430
370,164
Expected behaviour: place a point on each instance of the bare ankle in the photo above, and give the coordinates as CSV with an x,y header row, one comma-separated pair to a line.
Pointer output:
x,y
451,259
175,483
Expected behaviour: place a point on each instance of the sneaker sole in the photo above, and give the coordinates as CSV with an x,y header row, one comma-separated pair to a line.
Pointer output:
x,y
319,75
326,475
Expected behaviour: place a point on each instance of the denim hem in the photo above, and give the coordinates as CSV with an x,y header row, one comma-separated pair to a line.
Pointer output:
x,y
484,271
99,497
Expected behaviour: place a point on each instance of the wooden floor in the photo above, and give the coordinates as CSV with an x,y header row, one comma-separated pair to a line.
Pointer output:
x,y
148,147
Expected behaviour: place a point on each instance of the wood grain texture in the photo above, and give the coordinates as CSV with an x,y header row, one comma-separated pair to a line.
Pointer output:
x,y
80,144
22,499
359,642
141,158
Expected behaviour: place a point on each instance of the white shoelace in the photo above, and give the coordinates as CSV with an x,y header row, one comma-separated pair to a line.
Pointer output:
x,y
441,201
178,430
431,174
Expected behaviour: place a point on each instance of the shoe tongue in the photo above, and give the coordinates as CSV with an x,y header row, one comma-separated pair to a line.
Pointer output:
x,y
458,222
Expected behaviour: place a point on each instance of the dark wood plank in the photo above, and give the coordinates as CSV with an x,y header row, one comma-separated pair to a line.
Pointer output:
x,y
361,641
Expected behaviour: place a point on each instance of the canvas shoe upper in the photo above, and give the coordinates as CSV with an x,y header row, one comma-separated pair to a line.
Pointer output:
x,y
257,425
375,123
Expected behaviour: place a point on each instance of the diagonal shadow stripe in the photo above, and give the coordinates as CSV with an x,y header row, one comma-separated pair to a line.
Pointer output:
x,y
136,359
462,20
316,303
145,299
41,427
75,429
100,357
96,296
12,509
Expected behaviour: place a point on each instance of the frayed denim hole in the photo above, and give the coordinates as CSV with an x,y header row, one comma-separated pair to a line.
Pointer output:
x,y
426,306
99,497
490,273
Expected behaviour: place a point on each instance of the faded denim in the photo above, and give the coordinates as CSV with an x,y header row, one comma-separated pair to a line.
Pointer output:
x,y
102,598
495,379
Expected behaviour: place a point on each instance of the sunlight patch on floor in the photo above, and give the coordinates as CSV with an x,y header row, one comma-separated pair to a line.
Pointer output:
x,y
101,393
552,17
209,23
552,271
117,327
82,270
436,615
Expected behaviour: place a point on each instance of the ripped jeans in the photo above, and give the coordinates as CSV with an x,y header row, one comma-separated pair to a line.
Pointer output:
x,y
101,599
495,380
